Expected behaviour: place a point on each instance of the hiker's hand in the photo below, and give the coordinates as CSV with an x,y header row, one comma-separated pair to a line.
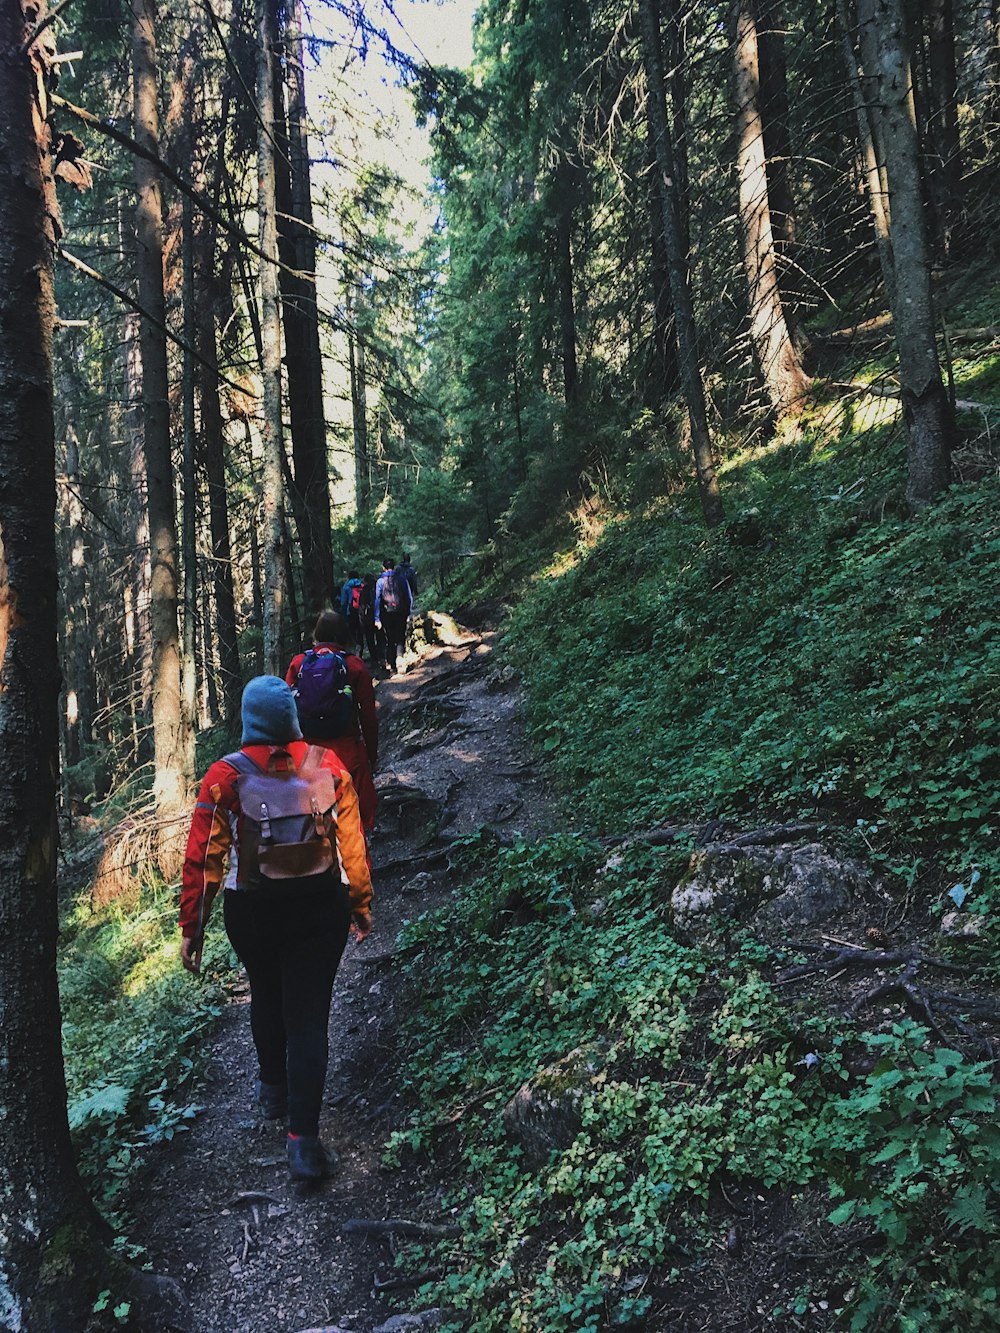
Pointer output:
x,y
191,954
361,925
378,624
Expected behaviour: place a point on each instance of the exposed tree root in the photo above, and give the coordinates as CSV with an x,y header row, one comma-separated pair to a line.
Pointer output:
x,y
930,1006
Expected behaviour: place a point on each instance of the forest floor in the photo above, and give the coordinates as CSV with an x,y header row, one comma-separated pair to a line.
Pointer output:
x,y
214,1208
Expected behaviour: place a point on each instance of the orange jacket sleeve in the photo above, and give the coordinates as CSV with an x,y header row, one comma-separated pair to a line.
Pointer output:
x,y
351,840
208,847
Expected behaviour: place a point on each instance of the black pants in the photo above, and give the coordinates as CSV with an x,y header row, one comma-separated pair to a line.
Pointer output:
x,y
370,637
394,628
290,942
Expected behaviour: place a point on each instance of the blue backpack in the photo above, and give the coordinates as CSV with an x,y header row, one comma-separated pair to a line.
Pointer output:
x,y
323,696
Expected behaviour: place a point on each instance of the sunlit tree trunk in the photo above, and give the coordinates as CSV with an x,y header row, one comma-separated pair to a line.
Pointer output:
x,y
173,773
782,372
275,589
687,347
926,410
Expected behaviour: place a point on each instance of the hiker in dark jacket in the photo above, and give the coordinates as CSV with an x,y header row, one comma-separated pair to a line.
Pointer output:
x,y
392,606
405,567
357,746
366,614
289,933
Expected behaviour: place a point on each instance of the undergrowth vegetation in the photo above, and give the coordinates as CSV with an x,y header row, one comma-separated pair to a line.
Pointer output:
x,y
821,655
825,656
134,1028
695,1085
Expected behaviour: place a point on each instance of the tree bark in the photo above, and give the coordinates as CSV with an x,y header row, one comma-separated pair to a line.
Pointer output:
x,y
565,194
51,1263
275,590
79,689
173,759
359,412
926,410
784,379
189,489
878,201
687,347
213,444
316,480
943,147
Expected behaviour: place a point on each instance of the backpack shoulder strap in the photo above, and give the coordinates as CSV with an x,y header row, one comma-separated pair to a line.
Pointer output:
x,y
242,762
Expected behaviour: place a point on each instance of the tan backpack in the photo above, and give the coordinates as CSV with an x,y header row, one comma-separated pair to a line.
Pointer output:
x,y
288,829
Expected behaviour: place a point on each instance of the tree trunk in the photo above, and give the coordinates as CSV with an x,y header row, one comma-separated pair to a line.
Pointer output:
x,y
51,1263
79,687
317,480
926,410
943,147
275,591
213,449
687,348
173,760
189,490
565,191
878,200
782,372
769,20
664,334
359,414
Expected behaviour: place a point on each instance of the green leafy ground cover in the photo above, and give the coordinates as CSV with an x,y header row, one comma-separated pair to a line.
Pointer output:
x,y
824,655
134,1027
710,1086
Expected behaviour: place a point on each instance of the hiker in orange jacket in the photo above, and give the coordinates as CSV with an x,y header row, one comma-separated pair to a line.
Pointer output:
x,y
357,747
289,933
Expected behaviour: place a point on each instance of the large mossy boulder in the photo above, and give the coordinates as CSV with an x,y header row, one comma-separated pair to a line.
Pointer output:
x,y
771,889
545,1114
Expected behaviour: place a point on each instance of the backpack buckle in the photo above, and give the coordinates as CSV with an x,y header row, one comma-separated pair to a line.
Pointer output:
x,y
265,822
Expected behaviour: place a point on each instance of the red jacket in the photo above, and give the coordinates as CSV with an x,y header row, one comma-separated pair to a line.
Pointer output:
x,y
215,834
360,680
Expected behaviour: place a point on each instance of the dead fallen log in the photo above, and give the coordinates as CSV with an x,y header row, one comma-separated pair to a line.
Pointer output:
x,y
399,1226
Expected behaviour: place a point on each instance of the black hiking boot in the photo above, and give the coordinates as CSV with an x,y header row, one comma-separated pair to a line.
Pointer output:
x,y
308,1159
272,1098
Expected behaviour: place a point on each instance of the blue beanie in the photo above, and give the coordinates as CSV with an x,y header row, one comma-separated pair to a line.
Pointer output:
x,y
269,714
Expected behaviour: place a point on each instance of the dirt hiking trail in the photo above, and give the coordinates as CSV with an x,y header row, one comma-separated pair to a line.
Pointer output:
x,y
215,1208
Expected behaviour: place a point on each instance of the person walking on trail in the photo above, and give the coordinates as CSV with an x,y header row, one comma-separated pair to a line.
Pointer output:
x,y
392,607
284,814
350,607
335,699
366,614
405,568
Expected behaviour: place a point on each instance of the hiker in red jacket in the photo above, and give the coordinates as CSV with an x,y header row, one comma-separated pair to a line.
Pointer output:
x,y
276,825
357,742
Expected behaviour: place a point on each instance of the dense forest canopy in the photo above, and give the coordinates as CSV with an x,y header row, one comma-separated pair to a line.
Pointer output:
x,y
651,236
658,249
